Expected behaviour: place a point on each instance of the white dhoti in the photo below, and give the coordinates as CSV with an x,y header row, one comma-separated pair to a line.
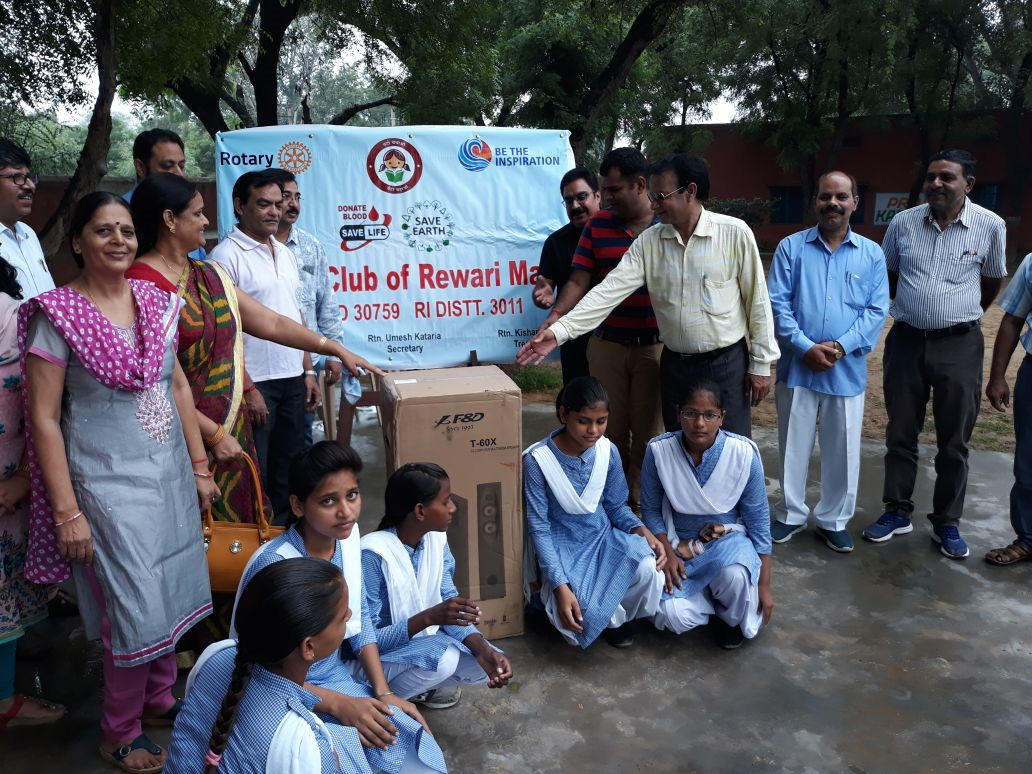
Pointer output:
x,y
640,601
730,596
803,417
454,668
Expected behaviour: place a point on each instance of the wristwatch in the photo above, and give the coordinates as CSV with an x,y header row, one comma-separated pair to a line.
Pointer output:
x,y
839,352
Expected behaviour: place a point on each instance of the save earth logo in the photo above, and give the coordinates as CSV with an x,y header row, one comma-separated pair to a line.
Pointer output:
x,y
475,155
394,165
295,157
428,226
362,225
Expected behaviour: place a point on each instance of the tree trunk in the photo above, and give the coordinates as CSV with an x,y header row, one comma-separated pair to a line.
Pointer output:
x,y
645,28
92,164
274,19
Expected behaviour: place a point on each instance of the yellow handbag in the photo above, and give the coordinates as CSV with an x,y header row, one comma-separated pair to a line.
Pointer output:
x,y
229,545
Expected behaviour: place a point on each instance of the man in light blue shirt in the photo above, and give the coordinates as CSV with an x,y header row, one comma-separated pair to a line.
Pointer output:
x,y
18,243
829,293
1016,303
160,150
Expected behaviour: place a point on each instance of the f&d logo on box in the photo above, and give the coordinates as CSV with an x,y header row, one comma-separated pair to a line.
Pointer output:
x,y
459,419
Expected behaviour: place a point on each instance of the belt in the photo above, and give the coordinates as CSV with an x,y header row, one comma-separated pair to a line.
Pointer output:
x,y
942,333
705,355
629,341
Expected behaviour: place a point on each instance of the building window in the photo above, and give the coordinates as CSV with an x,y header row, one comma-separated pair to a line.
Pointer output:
x,y
786,204
986,195
857,218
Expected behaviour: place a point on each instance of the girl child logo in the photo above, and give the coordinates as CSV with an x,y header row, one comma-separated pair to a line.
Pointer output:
x,y
394,165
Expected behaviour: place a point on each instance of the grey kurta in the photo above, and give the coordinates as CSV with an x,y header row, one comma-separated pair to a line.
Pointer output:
x,y
130,470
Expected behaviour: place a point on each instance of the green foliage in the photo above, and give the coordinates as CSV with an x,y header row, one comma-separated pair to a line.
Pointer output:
x,y
542,378
752,211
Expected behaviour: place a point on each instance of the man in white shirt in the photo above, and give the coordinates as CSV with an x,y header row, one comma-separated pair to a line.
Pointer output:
x,y
18,243
267,270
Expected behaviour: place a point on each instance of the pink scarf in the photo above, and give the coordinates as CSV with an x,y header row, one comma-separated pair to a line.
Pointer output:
x,y
107,358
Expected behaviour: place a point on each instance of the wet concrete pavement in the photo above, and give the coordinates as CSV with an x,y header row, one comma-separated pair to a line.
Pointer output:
x,y
889,659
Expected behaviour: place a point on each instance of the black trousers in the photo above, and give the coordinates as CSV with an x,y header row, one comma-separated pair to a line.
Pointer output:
x,y
573,355
727,367
280,438
949,369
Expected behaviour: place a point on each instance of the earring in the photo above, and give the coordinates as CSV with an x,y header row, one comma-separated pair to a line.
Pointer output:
x,y
172,229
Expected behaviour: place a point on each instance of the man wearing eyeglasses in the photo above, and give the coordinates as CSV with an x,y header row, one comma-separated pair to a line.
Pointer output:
x,y
623,351
18,243
707,288
830,294
579,189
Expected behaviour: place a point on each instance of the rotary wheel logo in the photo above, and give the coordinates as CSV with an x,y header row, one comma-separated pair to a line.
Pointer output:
x,y
394,165
295,157
428,226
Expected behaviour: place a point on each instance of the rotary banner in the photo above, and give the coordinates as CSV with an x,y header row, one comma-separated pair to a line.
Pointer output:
x,y
433,233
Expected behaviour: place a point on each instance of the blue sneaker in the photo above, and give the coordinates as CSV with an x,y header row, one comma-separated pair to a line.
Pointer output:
x,y
950,542
837,540
782,533
889,523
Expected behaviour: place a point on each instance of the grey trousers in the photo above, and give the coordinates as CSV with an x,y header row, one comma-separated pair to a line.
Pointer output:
x,y
949,369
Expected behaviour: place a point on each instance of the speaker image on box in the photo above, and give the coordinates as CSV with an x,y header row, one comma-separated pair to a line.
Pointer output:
x,y
458,542
491,556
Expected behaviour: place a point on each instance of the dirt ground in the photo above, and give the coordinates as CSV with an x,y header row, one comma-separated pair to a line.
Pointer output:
x,y
993,432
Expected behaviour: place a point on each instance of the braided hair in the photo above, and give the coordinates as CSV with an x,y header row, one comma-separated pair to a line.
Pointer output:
x,y
414,483
282,605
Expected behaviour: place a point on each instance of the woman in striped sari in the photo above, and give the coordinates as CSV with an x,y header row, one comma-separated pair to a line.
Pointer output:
x,y
168,213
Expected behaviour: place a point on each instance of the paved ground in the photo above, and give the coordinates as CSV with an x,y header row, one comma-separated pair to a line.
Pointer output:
x,y
891,659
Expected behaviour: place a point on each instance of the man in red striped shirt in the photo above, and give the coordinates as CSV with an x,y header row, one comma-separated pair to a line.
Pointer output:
x,y
624,350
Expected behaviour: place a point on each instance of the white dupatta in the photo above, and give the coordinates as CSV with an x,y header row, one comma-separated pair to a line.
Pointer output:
x,y
351,558
681,490
581,504
408,591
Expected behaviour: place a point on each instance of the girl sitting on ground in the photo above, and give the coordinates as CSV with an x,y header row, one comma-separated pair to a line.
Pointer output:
x,y
426,632
704,487
599,565
325,503
247,708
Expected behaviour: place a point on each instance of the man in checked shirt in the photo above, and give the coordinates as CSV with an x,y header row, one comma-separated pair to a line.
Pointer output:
x,y
946,262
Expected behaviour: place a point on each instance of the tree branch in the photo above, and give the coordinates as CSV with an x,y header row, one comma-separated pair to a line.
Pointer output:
x,y
348,113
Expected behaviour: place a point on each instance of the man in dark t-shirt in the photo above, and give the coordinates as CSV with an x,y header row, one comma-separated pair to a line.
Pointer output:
x,y
579,189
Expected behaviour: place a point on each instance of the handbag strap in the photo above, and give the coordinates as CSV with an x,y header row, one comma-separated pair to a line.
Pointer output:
x,y
264,530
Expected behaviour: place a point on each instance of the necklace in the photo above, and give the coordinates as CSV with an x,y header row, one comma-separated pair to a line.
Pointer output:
x,y
181,281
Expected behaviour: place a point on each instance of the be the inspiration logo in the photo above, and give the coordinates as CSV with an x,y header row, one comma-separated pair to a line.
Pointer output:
x,y
475,155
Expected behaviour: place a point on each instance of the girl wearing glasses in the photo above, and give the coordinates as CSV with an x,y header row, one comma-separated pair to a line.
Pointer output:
x,y
599,565
703,496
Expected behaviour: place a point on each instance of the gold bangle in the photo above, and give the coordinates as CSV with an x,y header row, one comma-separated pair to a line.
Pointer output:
x,y
215,438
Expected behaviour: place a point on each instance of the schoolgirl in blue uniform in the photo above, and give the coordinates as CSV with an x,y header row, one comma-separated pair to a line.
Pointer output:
x,y
599,565
426,632
325,503
246,707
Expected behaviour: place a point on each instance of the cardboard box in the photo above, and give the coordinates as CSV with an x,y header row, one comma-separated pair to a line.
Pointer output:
x,y
468,421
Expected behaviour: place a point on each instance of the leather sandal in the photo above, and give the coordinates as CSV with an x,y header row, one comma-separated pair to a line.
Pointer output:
x,y
17,702
117,756
1012,554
